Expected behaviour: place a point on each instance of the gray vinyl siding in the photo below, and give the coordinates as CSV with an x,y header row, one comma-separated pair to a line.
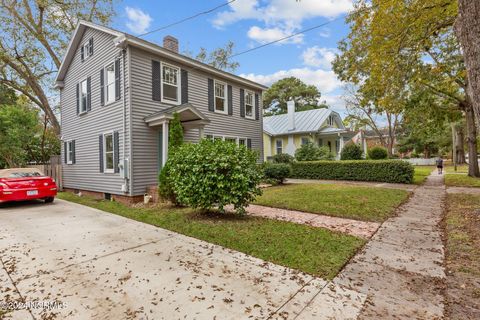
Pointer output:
x,y
145,139
85,129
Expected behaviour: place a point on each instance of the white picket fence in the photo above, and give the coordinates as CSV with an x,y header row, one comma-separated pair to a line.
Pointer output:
x,y
421,161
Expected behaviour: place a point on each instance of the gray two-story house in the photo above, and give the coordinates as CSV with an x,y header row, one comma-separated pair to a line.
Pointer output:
x,y
117,96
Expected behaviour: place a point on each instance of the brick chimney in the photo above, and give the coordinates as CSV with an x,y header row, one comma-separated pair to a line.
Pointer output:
x,y
170,43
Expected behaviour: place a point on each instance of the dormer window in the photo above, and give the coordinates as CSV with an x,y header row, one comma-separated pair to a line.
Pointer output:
x,y
331,121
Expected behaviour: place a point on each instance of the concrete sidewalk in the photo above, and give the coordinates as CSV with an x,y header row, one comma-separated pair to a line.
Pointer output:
x,y
401,269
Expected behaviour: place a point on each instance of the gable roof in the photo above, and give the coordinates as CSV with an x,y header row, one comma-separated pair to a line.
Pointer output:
x,y
305,122
122,40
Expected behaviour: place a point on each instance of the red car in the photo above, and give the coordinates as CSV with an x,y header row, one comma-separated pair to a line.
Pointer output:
x,y
26,184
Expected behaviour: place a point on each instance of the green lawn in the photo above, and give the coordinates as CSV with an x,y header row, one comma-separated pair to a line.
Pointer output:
x,y
355,202
316,251
421,173
460,169
461,180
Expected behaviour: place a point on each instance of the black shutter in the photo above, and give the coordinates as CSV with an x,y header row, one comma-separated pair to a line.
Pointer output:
x,y
73,152
116,152
230,100
91,47
89,94
156,88
78,98
82,53
242,103
65,152
211,97
184,81
102,87
257,109
100,152
249,144
117,79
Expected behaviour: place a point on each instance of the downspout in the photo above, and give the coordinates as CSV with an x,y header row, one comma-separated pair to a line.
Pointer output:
x,y
130,163
124,51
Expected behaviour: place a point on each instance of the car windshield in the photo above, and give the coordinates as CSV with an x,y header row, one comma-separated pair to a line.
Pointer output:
x,y
20,173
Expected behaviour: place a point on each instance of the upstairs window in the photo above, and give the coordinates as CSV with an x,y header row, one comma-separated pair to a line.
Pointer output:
x,y
110,82
249,105
83,96
220,100
331,121
87,49
70,152
170,84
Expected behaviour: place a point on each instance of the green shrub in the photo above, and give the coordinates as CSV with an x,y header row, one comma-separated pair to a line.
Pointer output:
x,y
393,171
175,133
277,171
282,158
165,187
310,152
351,151
214,173
377,153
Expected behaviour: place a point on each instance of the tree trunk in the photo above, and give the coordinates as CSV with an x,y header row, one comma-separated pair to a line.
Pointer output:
x,y
467,28
471,139
458,146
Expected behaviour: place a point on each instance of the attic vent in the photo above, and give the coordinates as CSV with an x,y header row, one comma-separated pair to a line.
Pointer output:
x,y
170,43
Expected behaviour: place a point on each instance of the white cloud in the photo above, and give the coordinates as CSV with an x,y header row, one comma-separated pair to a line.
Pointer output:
x,y
325,81
286,11
319,57
265,35
138,21
325,33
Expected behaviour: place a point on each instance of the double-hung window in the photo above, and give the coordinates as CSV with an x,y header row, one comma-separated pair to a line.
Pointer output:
x,y
305,141
249,105
279,146
170,83
69,152
108,152
231,139
331,121
242,141
110,82
220,97
83,96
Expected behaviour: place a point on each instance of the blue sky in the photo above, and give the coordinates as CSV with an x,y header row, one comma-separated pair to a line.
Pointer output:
x,y
250,23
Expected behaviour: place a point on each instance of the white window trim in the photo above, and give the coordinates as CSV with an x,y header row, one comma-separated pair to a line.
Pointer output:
x,y
105,170
80,96
179,84
225,98
68,151
276,146
105,83
223,138
253,104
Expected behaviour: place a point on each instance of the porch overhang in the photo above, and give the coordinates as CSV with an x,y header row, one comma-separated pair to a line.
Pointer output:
x,y
190,117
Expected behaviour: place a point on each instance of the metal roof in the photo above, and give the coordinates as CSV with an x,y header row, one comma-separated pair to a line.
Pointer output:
x,y
305,121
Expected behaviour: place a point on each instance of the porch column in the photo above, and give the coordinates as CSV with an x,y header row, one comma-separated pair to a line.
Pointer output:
x,y
290,149
201,133
164,142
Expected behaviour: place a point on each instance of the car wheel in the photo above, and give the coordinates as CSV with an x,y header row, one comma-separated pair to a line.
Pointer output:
x,y
49,200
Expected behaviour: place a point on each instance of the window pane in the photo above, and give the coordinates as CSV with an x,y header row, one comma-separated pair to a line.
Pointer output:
x,y
170,75
110,73
249,98
249,111
109,160
83,96
220,90
241,142
220,104
170,92
111,92
108,143
231,140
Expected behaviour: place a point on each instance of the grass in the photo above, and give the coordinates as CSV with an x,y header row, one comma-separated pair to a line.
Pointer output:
x,y
463,168
461,180
421,173
462,224
316,251
355,202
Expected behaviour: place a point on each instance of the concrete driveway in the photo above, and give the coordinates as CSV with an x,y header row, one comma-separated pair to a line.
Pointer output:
x,y
67,261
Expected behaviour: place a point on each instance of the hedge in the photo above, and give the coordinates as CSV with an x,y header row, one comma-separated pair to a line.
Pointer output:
x,y
393,171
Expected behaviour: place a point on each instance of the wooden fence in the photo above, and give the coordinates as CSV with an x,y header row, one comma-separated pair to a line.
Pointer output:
x,y
52,169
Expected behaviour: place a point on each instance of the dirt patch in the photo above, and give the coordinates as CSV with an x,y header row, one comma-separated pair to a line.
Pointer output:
x,y
462,231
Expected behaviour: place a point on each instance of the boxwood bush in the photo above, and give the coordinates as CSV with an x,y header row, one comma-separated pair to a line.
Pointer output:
x,y
377,153
214,173
351,151
277,171
393,171
282,158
